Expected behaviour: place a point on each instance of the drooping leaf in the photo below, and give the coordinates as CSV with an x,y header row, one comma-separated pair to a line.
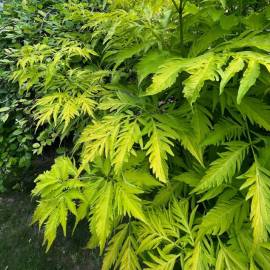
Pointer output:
x,y
162,261
204,68
219,219
102,220
256,111
150,63
235,66
228,258
165,76
114,247
249,79
158,147
128,201
225,130
258,184
224,168
128,258
129,135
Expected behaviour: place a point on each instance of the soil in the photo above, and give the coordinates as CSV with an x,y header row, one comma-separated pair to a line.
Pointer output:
x,y
21,244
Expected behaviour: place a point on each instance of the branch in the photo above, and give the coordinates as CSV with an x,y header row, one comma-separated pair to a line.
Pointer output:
x,y
175,5
180,10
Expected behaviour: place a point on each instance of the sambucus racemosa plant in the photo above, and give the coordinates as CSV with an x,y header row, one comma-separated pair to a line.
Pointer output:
x,y
167,102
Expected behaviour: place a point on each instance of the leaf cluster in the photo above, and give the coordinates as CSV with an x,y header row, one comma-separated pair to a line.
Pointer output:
x,y
168,110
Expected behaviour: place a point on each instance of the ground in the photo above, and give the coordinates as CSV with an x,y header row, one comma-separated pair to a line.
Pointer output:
x,y
21,244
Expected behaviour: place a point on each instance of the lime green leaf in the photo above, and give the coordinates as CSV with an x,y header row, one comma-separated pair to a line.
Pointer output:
x,y
128,202
256,111
165,77
103,214
219,219
150,63
204,68
249,79
224,168
115,245
235,66
258,184
158,147
129,135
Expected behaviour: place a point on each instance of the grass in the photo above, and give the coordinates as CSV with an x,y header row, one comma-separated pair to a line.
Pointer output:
x,y
21,244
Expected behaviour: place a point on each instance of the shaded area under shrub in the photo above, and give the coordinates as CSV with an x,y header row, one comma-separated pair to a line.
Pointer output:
x,y
21,244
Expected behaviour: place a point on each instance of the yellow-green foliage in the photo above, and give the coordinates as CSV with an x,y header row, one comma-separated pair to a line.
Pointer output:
x,y
168,105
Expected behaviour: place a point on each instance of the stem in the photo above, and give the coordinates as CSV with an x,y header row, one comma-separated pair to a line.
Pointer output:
x,y
175,5
249,139
241,14
180,10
